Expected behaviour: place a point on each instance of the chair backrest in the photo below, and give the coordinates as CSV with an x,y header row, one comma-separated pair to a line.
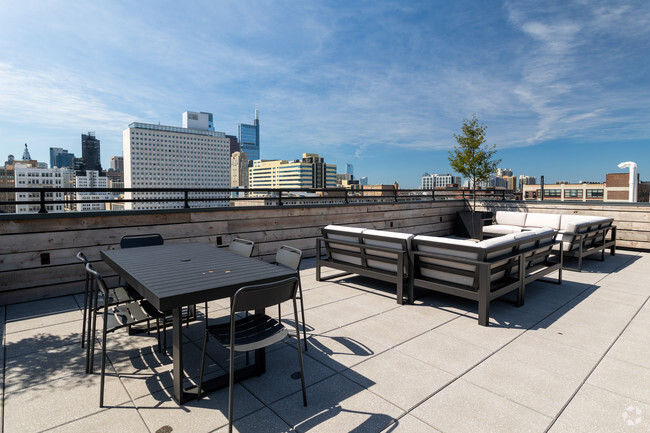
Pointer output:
x,y
97,279
289,257
241,247
264,295
147,240
82,258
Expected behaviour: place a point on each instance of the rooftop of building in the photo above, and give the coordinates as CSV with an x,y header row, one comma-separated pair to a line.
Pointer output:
x,y
574,358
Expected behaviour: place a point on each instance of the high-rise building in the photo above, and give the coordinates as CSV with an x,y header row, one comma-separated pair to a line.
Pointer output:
x,y
117,163
350,170
526,180
29,177
430,181
61,158
249,138
158,156
90,152
308,172
503,172
239,170
234,144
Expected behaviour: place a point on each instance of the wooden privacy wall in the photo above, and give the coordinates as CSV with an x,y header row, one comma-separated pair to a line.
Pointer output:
x,y
632,220
37,252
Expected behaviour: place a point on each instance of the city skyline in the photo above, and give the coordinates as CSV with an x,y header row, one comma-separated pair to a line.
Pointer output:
x,y
563,87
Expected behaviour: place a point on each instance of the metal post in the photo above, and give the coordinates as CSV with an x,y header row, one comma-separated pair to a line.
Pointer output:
x,y
42,196
187,204
346,196
279,197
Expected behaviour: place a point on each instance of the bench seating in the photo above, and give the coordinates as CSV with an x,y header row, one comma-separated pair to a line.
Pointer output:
x,y
481,271
376,254
580,235
486,270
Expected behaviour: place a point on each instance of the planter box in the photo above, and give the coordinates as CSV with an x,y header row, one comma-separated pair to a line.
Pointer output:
x,y
470,224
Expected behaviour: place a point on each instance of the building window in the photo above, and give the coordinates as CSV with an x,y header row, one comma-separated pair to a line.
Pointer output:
x,y
594,193
572,193
550,192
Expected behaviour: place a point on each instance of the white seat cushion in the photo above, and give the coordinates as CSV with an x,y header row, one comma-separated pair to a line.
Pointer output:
x,y
501,229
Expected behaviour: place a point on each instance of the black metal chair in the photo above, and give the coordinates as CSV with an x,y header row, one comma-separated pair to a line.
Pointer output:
x,y
291,257
116,295
254,331
241,247
120,316
149,240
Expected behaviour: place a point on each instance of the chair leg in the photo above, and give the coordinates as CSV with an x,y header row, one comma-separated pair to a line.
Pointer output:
x,y
83,324
302,369
231,383
205,343
101,380
302,310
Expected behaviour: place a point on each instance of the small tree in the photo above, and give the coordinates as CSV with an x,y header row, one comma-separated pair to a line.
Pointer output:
x,y
470,157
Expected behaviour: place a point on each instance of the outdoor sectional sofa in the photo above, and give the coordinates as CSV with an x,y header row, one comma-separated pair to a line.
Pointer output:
x,y
481,271
580,235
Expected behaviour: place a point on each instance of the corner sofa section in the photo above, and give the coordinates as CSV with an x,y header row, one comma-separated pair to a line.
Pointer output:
x,y
372,253
580,235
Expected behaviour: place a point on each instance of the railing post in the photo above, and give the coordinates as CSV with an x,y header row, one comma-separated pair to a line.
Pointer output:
x,y
396,195
187,196
345,194
42,197
433,194
279,197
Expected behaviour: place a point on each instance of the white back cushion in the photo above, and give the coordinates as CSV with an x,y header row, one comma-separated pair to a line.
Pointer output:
x,y
392,240
511,218
439,246
347,234
543,220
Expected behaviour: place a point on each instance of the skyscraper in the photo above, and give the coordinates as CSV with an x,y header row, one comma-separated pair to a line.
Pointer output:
x,y
61,158
249,138
90,153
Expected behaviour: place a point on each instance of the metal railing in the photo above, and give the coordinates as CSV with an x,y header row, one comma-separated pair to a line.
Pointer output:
x,y
273,196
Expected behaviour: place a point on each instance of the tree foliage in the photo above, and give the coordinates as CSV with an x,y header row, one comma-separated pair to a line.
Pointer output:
x,y
471,157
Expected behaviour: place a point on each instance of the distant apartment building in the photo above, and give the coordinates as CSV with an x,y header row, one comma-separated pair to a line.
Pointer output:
x,y
503,172
431,181
614,189
91,179
511,180
30,177
308,172
249,138
61,158
90,152
158,156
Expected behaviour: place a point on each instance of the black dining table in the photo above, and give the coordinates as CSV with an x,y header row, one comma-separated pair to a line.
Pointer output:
x,y
173,276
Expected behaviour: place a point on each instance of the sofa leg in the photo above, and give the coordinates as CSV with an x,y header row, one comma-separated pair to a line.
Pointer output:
x,y
483,313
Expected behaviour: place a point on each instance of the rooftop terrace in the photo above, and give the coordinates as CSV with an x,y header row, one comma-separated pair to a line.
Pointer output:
x,y
574,358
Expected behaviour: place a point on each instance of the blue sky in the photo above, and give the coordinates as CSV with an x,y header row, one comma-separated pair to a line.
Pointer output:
x,y
563,86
